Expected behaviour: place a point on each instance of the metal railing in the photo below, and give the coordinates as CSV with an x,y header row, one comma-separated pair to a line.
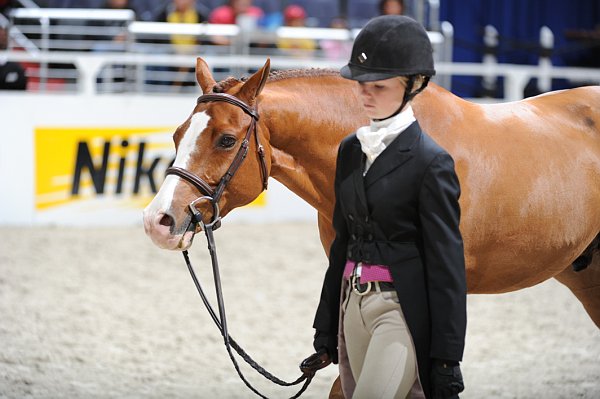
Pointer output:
x,y
44,32
66,50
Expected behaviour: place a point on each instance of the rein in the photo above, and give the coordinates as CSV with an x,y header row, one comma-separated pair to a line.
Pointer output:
x,y
213,195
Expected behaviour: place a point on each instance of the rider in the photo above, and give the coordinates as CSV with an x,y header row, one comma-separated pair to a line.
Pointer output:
x,y
397,261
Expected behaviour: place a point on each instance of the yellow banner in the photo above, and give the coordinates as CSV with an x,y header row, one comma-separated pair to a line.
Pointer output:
x,y
124,166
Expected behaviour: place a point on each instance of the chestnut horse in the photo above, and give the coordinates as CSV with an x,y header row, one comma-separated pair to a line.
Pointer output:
x,y
529,170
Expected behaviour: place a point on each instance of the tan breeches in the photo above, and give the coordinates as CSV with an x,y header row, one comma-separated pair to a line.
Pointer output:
x,y
379,346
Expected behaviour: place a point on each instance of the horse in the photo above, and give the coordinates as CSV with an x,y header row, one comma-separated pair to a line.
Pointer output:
x,y
529,170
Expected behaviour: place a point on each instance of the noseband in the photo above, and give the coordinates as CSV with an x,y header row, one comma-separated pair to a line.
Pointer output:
x,y
214,195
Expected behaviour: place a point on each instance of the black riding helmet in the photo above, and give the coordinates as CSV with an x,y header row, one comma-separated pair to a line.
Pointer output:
x,y
390,46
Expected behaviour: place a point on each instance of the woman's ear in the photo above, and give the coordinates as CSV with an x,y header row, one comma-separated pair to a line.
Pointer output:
x,y
418,82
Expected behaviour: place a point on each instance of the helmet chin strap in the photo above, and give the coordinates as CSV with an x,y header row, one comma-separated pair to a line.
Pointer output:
x,y
409,94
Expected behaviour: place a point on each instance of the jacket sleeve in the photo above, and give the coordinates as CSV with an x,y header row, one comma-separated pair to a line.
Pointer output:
x,y
444,263
327,316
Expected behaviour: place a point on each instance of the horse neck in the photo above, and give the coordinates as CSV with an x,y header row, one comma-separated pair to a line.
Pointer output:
x,y
440,113
306,119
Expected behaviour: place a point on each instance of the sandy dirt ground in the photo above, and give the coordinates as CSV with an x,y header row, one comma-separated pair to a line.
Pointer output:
x,y
102,313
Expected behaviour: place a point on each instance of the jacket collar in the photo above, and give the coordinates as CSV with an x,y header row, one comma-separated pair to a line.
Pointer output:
x,y
397,153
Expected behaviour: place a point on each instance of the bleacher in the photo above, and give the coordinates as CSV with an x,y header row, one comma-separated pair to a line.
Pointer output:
x,y
67,46
320,12
61,46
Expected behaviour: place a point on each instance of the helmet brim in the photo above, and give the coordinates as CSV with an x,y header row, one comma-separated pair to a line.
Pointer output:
x,y
361,75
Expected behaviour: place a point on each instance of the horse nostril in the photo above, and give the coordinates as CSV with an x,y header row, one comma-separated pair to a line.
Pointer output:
x,y
166,220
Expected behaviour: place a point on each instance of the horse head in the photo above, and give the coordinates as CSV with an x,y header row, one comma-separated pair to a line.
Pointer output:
x,y
211,174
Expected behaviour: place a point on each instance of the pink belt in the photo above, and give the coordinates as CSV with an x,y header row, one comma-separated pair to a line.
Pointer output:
x,y
368,272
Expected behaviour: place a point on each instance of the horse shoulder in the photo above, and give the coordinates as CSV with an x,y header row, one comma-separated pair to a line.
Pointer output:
x,y
445,116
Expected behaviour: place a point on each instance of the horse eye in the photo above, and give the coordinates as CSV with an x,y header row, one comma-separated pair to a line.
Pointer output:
x,y
227,141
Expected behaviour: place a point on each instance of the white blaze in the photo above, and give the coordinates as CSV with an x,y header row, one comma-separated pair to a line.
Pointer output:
x,y
187,145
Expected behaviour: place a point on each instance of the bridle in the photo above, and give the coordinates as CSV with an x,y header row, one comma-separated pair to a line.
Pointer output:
x,y
310,366
214,195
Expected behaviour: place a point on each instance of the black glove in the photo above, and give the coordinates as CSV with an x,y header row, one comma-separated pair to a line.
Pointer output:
x,y
328,342
446,379
315,362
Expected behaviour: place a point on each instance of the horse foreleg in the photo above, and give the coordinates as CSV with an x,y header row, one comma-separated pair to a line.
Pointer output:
x,y
336,390
585,285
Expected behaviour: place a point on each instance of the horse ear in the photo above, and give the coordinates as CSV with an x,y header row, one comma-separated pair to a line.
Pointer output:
x,y
204,76
254,85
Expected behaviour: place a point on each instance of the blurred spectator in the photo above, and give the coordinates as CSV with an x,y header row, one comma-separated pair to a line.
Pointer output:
x,y
391,7
179,11
12,74
295,16
235,12
337,49
117,5
228,13
182,11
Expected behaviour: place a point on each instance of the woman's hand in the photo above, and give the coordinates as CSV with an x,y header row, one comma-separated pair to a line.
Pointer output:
x,y
446,379
315,362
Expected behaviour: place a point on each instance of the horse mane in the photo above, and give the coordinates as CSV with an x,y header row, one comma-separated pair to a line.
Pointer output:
x,y
226,84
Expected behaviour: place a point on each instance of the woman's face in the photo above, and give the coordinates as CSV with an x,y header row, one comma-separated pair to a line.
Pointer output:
x,y
382,98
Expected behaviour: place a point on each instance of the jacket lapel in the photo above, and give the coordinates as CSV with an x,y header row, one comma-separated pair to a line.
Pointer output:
x,y
358,158
397,153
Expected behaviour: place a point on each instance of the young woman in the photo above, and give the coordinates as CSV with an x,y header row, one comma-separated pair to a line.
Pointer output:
x,y
397,261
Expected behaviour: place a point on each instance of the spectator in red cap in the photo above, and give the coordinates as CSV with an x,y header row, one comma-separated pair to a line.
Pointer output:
x,y
228,13
295,16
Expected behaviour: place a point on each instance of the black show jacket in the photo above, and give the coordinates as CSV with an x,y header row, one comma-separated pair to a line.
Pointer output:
x,y
403,213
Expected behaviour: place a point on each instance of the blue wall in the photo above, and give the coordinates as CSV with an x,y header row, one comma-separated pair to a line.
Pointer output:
x,y
518,23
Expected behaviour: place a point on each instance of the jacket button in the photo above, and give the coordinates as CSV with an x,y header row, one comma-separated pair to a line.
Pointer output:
x,y
370,237
350,216
353,236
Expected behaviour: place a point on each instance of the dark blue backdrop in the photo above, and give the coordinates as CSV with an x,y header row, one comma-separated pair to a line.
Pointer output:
x,y
518,23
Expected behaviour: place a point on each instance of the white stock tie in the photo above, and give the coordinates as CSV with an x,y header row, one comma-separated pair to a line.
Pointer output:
x,y
375,137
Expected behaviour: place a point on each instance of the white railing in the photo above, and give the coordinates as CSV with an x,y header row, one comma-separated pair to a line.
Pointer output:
x,y
53,30
90,65
148,57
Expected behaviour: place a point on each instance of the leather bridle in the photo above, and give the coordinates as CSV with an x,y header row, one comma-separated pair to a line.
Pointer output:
x,y
214,195
310,366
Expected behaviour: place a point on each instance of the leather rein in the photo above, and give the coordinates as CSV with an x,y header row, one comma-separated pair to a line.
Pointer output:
x,y
213,195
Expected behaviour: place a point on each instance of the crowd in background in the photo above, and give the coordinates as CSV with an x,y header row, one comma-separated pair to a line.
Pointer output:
x,y
575,27
262,14
268,13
